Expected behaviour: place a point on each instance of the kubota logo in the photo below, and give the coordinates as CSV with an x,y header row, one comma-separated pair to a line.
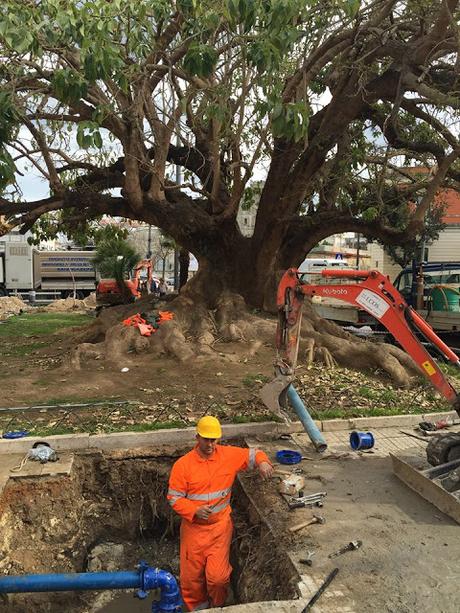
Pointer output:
x,y
336,292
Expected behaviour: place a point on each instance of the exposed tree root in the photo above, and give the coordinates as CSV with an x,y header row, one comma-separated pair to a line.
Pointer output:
x,y
199,331
328,343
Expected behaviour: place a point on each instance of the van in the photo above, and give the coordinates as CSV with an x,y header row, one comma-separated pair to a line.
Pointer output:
x,y
318,264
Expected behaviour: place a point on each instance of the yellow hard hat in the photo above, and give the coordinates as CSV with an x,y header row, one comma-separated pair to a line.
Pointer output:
x,y
209,427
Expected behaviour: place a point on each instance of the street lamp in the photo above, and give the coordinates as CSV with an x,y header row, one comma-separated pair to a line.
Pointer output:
x,y
149,243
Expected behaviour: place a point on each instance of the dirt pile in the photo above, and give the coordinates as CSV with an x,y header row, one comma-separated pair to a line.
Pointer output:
x,y
90,301
66,305
11,305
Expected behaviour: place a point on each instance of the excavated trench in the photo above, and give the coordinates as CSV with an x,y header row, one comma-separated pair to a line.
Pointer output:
x,y
109,514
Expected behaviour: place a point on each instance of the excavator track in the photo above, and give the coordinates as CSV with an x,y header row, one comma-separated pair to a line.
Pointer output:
x,y
444,448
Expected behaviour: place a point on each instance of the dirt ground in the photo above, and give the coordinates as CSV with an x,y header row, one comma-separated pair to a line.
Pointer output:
x,y
409,559
37,370
45,376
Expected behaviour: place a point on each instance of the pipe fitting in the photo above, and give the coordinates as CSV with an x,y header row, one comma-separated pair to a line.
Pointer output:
x,y
144,579
170,598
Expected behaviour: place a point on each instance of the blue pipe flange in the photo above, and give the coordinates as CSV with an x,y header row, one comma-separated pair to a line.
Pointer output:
x,y
143,592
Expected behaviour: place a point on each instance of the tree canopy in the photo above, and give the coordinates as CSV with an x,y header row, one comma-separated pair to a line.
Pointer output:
x,y
324,101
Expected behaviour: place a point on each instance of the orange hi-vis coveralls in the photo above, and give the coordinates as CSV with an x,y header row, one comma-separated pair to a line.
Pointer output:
x,y
205,544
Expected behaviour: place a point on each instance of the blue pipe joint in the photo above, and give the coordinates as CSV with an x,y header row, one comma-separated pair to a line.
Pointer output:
x,y
144,578
361,440
155,578
309,425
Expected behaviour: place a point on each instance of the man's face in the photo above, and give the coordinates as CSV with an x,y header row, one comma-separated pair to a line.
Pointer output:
x,y
206,446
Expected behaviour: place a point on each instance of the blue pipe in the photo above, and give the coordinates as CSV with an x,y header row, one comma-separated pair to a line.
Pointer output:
x,y
144,579
62,582
310,427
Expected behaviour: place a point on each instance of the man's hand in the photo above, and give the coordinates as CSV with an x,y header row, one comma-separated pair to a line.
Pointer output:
x,y
203,512
265,470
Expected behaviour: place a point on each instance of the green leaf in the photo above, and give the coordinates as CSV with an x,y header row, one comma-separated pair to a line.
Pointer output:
x,y
370,213
90,67
68,85
200,60
97,138
7,169
290,120
352,7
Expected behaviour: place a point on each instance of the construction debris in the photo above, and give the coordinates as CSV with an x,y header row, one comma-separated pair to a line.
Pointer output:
x,y
291,485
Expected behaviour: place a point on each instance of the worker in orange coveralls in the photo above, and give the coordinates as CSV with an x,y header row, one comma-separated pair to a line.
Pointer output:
x,y
200,487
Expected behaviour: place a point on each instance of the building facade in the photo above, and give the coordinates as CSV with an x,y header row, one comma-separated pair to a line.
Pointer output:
x,y
445,249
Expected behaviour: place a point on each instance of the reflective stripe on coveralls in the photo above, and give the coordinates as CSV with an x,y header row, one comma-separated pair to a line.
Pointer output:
x,y
205,544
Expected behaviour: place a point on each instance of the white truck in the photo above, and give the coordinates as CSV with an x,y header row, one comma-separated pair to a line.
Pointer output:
x,y
50,274
316,265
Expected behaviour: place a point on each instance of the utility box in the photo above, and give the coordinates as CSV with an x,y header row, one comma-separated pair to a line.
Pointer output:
x,y
19,266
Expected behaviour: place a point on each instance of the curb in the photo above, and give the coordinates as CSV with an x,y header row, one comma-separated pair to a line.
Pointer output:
x,y
174,436
126,440
388,421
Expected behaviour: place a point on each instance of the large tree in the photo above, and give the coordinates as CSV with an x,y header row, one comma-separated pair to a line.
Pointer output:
x,y
320,100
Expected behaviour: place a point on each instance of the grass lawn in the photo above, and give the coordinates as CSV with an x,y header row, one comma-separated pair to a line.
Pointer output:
x,y
40,324
20,335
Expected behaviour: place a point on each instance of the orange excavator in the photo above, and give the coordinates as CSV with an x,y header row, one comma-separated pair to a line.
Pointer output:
x,y
373,292
109,293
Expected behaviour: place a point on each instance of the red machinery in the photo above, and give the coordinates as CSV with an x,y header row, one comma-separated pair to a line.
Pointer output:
x,y
108,292
373,292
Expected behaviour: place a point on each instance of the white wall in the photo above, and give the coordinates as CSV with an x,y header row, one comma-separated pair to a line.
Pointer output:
x,y
381,261
445,249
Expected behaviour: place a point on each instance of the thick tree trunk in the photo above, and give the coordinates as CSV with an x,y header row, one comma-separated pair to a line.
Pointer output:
x,y
235,277
184,263
228,271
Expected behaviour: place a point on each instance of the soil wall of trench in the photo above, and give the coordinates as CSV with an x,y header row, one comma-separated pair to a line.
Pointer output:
x,y
107,515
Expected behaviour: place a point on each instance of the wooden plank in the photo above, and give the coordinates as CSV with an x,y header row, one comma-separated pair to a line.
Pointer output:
x,y
62,467
426,488
29,470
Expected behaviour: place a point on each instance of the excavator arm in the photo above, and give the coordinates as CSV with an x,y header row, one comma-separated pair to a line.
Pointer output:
x,y
143,265
371,291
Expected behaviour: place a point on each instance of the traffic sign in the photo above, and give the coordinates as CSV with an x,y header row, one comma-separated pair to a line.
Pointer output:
x,y
339,256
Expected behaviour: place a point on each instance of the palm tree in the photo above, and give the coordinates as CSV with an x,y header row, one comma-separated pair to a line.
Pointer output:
x,y
115,259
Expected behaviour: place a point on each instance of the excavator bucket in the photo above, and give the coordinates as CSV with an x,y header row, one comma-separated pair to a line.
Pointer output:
x,y
274,395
